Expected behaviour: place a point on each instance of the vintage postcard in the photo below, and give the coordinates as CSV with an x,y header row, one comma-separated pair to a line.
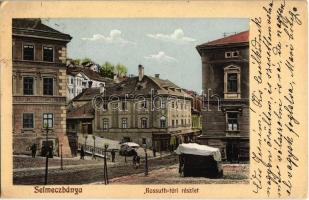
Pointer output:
x,y
154,99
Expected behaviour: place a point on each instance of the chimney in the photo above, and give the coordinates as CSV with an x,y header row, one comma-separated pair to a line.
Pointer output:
x,y
157,75
140,72
89,84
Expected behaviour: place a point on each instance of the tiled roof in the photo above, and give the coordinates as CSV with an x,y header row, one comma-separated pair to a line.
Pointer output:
x,y
85,111
236,38
89,73
87,94
35,28
132,87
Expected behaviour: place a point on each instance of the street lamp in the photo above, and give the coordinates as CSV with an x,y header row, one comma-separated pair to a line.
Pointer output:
x,y
61,158
146,160
93,152
105,165
47,128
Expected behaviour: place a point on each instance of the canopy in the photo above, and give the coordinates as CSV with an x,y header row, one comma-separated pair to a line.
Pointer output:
x,y
197,149
130,144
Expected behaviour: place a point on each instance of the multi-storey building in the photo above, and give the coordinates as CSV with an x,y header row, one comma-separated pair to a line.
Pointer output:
x,y
39,86
143,109
225,75
80,78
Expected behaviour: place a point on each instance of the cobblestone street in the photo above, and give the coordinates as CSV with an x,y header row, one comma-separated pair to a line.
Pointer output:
x,y
84,173
162,170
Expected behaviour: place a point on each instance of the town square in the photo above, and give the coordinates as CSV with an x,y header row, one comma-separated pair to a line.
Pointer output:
x,y
131,105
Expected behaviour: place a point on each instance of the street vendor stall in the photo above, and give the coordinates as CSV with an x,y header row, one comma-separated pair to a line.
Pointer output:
x,y
199,160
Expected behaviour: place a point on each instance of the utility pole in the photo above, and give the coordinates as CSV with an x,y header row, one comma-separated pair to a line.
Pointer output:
x,y
146,161
61,158
46,154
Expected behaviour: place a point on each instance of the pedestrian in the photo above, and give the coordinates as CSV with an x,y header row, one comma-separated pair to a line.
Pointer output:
x,y
82,153
113,155
138,159
93,154
134,158
50,151
33,150
154,151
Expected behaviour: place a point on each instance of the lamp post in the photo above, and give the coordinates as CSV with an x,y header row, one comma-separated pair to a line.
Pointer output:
x,y
146,160
61,158
105,165
46,126
93,152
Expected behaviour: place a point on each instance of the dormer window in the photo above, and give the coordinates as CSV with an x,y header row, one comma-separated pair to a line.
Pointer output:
x,y
232,82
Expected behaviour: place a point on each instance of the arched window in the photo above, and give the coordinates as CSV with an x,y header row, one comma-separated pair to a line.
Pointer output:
x,y
163,122
105,124
232,82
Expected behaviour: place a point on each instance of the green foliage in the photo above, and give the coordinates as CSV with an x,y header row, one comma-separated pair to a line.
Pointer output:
x,y
86,61
120,69
109,70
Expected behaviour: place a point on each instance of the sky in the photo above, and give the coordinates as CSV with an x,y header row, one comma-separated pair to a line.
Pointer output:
x,y
162,46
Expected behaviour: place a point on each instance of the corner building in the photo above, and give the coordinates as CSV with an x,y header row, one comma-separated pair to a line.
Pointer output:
x,y
39,86
225,79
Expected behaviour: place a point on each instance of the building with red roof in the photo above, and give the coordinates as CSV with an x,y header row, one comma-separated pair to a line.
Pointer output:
x,y
225,82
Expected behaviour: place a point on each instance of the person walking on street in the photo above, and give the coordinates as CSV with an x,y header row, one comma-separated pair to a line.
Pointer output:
x,y
82,153
113,155
154,151
138,160
33,150
93,154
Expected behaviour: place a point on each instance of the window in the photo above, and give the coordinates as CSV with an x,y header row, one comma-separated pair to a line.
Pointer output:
x,y
232,121
124,105
231,54
28,52
48,86
28,85
182,122
48,120
235,54
163,122
115,106
144,104
143,140
176,122
163,104
71,80
173,123
124,123
105,106
232,82
144,123
28,120
105,124
48,54
232,89
173,104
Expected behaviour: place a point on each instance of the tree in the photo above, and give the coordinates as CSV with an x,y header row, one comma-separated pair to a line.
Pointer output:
x,y
86,61
121,70
107,70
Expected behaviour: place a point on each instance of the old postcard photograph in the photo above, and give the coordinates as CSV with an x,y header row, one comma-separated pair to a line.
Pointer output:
x,y
156,99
